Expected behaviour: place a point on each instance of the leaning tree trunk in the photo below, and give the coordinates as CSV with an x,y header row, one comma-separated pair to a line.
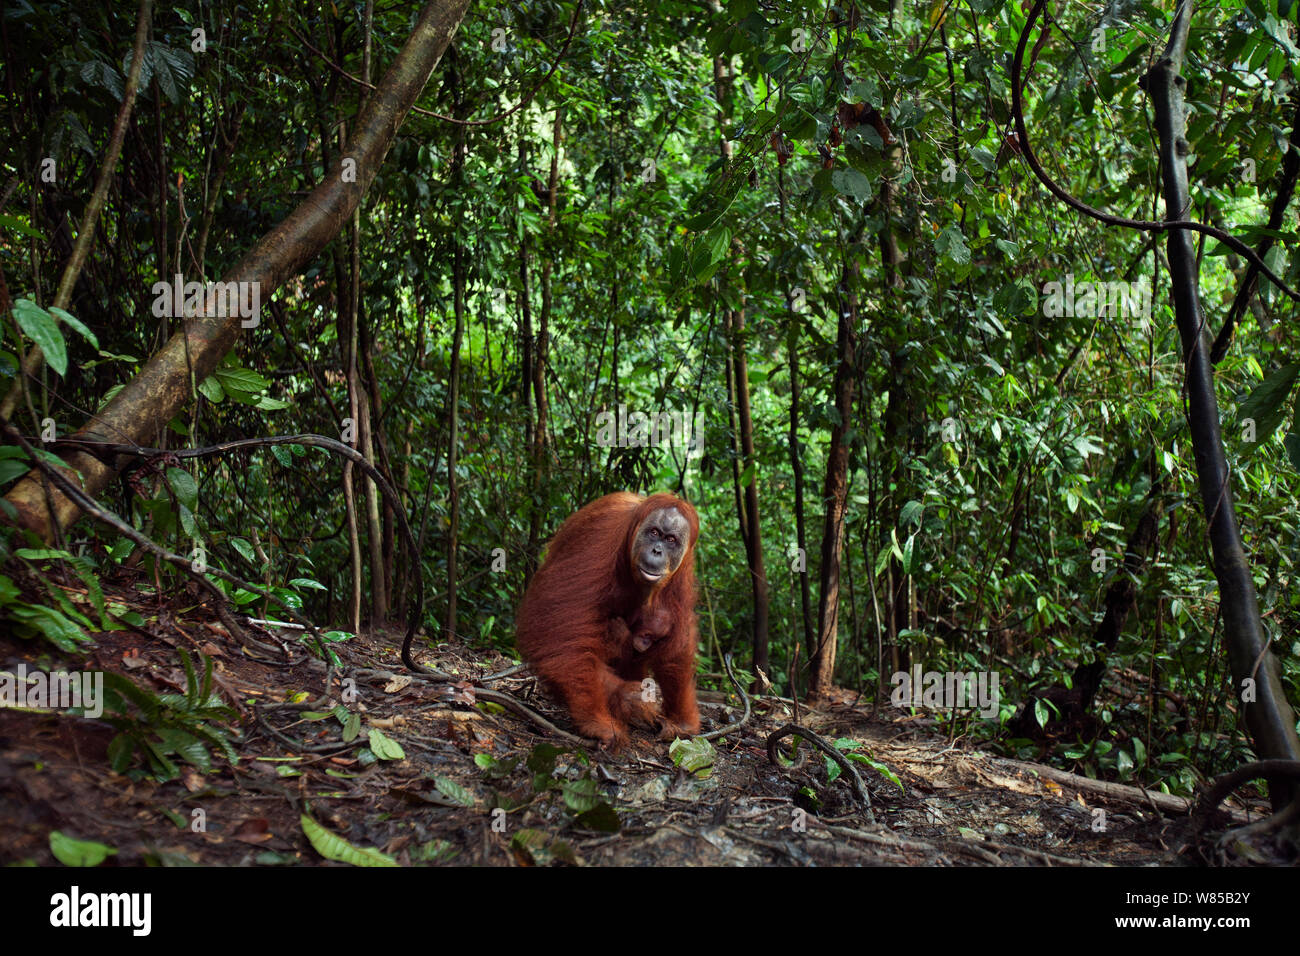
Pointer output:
x,y
1256,677
165,385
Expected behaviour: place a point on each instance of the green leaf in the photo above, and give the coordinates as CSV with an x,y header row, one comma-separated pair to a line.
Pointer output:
x,y
1040,712
241,380
883,769
1264,404
42,554
334,847
184,487
186,746
351,727
493,768
851,182
454,792
211,389
72,852
718,241
542,759
58,630
385,747
76,325
951,244
833,769
245,549
42,329
20,227
11,468
581,795
695,755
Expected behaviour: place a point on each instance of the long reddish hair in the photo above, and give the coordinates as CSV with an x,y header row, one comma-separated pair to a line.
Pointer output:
x,y
587,578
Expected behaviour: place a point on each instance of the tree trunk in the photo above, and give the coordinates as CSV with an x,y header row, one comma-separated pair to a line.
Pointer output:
x,y
541,463
1257,680
526,361
899,607
836,488
750,528
453,385
1074,703
165,384
754,538
796,450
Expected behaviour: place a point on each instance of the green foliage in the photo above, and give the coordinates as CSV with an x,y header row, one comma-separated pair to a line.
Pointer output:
x,y
73,852
581,799
994,447
156,730
850,748
333,847
695,755
57,618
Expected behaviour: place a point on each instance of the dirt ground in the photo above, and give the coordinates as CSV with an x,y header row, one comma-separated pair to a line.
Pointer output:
x,y
428,774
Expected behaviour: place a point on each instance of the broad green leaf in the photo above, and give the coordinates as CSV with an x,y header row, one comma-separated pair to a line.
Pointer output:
x,y
184,487
334,847
1265,403
43,329
581,795
241,380
385,747
72,852
453,791
245,550
850,182
695,755
211,389
76,325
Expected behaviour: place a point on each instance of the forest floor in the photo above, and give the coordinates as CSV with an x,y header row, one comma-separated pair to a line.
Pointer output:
x,y
434,796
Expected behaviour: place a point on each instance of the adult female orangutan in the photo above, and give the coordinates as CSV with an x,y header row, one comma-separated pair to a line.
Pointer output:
x,y
615,598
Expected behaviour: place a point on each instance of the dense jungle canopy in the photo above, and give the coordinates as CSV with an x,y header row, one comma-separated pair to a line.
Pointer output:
x,y
887,290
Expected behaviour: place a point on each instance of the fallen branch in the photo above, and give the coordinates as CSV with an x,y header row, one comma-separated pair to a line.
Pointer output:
x,y
826,747
1271,770
744,719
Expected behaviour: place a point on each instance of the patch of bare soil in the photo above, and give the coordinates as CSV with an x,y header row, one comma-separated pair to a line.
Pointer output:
x,y
470,783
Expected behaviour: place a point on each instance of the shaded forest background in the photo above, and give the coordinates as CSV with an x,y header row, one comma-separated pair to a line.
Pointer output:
x,y
807,231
